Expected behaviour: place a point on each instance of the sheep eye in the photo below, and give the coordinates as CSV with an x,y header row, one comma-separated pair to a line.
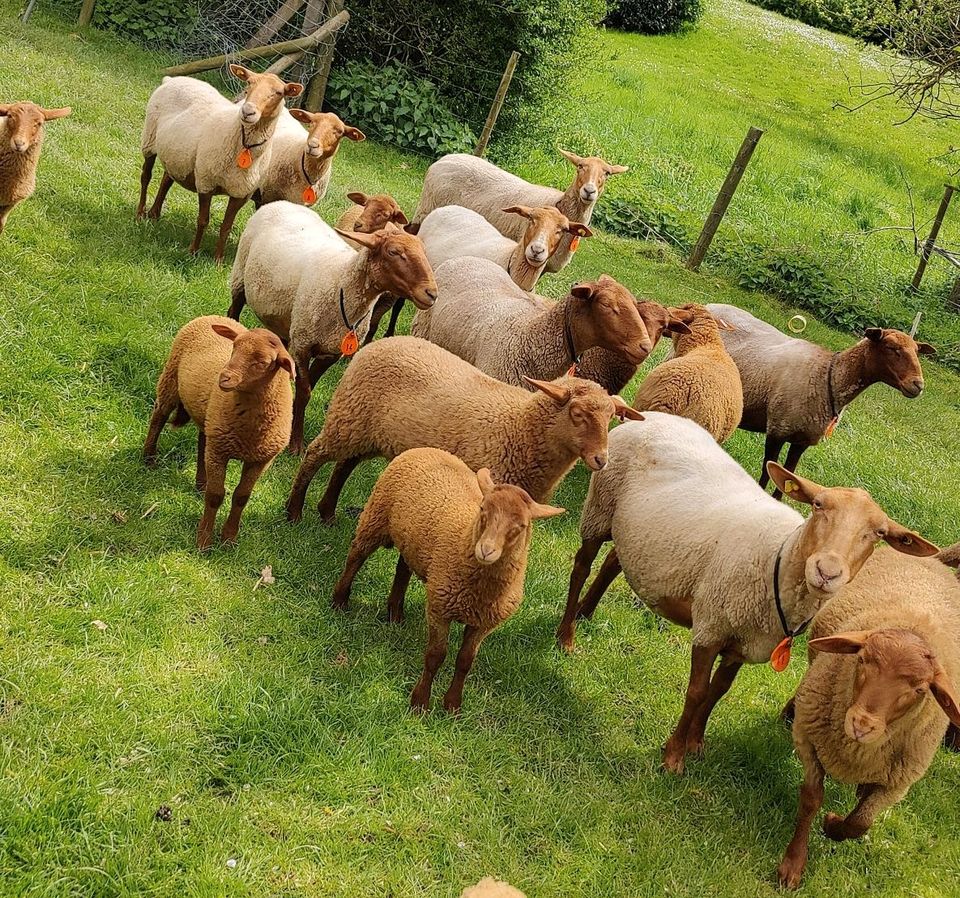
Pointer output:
x,y
817,504
881,534
921,689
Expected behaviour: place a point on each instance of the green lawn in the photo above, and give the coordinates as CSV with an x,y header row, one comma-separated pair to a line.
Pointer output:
x,y
276,730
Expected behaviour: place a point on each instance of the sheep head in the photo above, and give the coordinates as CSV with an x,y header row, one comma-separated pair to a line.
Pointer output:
x,y
379,210
893,358
605,314
325,130
264,94
842,530
257,356
505,517
25,123
546,227
896,671
592,174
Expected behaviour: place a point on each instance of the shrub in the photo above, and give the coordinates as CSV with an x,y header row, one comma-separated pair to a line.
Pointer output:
x,y
870,20
157,23
640,217
393,106
654,16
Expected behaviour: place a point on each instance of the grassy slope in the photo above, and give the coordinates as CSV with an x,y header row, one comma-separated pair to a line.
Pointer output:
x,y
278,729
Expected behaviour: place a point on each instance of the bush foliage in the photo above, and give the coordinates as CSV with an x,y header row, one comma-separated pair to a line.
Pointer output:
x,y
654,16
870,20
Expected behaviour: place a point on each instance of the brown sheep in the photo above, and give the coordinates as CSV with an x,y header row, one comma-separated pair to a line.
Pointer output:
x,y
234,384
464,536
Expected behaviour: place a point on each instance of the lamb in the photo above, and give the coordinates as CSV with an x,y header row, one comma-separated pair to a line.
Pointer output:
x,y
612,371
703,546
482,316
878,696
794,390
452,232
301,164
307,285
209,145
470,181
234,384
21,139
402,393
701,382
491,888
464,536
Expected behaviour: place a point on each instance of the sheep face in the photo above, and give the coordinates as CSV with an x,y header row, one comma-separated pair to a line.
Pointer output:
x,y
893,359
584,410
25,123
264,94
398,264
659,321
256,357
842,531
325,131
546,227
592,174
608,313
506,514
896,671
379,210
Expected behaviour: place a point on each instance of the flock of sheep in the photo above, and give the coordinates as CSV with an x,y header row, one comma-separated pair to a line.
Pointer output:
x,y
496,395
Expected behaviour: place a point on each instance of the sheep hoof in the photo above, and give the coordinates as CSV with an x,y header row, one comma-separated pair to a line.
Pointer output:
x,y
673,762
566,641
789,874
695,746
418,706
150,461
833,827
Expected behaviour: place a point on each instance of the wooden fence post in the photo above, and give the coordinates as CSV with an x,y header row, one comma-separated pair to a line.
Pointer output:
x,y
317,86
497,104
86,13
931,240
722,201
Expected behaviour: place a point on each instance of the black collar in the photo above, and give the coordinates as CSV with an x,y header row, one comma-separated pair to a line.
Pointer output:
x,y
243,140
568,337
343,315
776,595
303,168
833,399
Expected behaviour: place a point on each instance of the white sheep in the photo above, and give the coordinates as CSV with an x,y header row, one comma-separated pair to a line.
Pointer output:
x,y
452,232
705,547
482,316
878,696
465,180
307,285
210,145
301,162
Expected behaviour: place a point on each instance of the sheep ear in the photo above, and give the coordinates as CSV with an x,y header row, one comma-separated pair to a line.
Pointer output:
x,y
944,693
357,197
926,349
908,542
412,228
582,291
370,241
841,643
238,71
676,326
874,334
485,481
50,114
792,485
572,158
559,394
538,511
623,411
292,89
579,229
354,133
402,220
226,330
616,169
525,211
285,363
4,109
302,116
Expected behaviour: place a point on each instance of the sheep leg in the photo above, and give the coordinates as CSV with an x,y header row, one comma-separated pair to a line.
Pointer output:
x,y
201,481
385,302
438,635
300,399
398,592
366,541
794,860
4,213
873,800
582,563
394,317
720,684
212,499
238,299
772,448
166,401
319,366
608,572
203,219
314,459
791,462
146,175
338,479
472,637
789,711
234,205
701,665
241,495
951,739
166,182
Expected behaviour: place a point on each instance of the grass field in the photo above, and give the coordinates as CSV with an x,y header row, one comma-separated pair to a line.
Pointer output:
x,y
276,730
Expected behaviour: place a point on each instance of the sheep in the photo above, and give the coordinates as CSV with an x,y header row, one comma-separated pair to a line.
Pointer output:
x,y
452,232
401,393
701,382
307,285
482,316
612,371
234,384
488,887
464,536
878,695
705,547
470,181
794,390
209,145
301,163
21,139
368,214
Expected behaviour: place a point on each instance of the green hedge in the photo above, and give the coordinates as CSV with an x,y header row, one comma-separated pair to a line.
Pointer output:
x,y
654,16
870,20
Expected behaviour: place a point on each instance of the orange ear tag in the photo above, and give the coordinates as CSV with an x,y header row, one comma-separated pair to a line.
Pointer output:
x,y
831,427
245,159
309,196
780,656
574,244
349,344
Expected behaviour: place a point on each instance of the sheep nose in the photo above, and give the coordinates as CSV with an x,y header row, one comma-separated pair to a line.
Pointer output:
x,y
599,461
226,382
432,293
486,553
588,191
918,385
19,144
250,112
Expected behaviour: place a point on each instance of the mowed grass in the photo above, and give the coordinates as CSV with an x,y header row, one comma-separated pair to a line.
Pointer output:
x,y
276,730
